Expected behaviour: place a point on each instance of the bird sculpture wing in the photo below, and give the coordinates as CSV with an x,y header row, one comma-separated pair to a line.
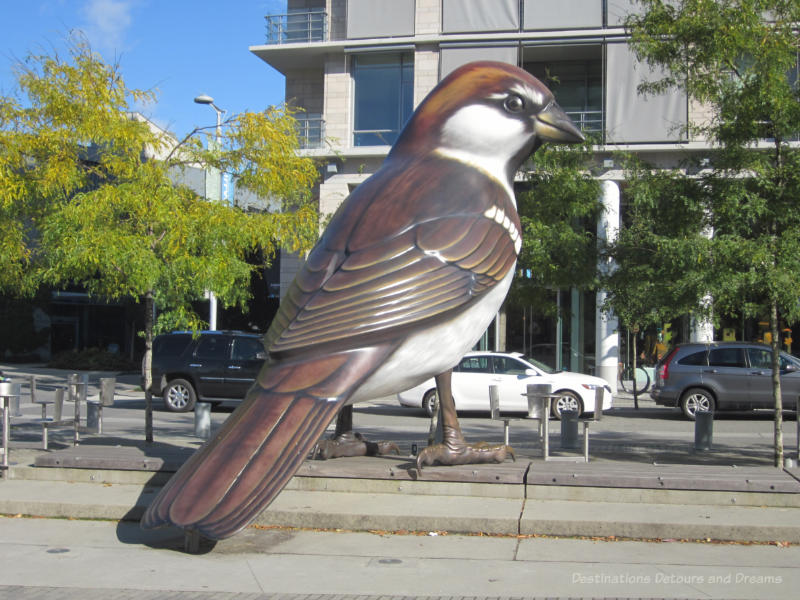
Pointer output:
x,y
389,261
417,254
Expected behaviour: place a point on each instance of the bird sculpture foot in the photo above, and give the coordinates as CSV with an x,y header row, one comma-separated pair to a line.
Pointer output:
x,y
351,444
458,452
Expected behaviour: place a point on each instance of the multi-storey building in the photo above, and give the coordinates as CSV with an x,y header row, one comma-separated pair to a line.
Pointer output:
x,y
359,67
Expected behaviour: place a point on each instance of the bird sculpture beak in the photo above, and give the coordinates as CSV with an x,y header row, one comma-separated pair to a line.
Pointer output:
x,y
553,125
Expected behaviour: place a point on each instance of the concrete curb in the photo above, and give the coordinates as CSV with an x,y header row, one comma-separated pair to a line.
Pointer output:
x,y
363,511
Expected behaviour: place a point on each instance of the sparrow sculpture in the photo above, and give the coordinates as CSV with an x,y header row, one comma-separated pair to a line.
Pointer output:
x,y
408,274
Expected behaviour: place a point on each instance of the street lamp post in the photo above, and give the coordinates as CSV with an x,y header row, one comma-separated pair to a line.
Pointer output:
x,y
206,99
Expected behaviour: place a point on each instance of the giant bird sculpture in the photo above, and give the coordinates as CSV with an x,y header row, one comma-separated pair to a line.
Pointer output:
x,y
409,273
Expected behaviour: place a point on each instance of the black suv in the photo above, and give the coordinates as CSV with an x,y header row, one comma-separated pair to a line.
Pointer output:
x,y
723,375
211,366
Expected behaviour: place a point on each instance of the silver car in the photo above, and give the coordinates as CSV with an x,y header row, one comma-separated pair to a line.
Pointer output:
x,y
723,376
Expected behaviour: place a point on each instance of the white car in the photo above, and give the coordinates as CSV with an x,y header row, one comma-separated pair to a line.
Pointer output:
x,y
512,373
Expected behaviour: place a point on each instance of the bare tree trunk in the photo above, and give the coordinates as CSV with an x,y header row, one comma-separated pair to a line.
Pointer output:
x,y
635,390
776,382
148,367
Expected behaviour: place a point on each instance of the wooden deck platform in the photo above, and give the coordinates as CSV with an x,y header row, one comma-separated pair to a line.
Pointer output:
x,y
166,458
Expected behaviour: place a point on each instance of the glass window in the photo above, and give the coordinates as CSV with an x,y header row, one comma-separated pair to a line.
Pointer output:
x,y
694,359
578,88
384,97
212,346
246,348
759,359
726,357
475,364
504,365
171,345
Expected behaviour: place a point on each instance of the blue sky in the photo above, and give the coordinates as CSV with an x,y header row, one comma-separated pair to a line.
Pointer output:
x,y
180,48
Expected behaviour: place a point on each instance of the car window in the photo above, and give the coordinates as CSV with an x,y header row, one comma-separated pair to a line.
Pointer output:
x,y
505,365
759,358
726,357
786,360
245,348
693,359
171,345
475,364
212,346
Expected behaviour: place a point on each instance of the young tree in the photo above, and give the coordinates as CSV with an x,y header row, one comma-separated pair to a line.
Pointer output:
x,y
738,58
91,195
661,254
558,211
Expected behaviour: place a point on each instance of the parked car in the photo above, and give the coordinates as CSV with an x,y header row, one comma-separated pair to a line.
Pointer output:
x,y
723,376
512,373
214,366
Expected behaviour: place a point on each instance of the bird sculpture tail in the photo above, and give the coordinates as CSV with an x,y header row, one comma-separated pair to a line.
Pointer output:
x,y
233,477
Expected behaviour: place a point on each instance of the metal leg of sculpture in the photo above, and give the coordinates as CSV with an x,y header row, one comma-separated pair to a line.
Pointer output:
x,y
346,442
454,450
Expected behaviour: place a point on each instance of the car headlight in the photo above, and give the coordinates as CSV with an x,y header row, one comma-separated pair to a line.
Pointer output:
x,y
590,386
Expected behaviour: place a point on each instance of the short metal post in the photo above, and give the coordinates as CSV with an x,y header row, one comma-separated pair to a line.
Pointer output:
x,y
569,429
33,388
599,395
94,419
72,390
797,424
15,409
703,429
586,441
202,420
107,385
6,425
546,433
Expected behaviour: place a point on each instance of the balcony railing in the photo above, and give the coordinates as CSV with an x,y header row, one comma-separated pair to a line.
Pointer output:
x,y
588,121
298,27
310,130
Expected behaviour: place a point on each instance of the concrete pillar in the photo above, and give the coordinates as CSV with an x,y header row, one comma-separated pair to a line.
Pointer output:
x,y
702,328
607,324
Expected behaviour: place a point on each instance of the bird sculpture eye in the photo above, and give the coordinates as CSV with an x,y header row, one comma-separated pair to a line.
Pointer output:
x,y
514,104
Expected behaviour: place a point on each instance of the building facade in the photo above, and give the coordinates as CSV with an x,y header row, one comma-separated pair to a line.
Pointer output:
x,y
358,68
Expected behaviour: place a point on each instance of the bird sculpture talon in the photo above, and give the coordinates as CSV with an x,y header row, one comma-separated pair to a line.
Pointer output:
x,y
351,443
410,271
464,454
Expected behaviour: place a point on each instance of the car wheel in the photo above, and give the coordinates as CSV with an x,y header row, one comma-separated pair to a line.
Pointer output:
x,y
566,401
430,402
696,399
179,396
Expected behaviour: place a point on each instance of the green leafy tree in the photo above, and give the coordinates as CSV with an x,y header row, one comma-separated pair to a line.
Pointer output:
x,y
662,252
90,194
738,59
558,211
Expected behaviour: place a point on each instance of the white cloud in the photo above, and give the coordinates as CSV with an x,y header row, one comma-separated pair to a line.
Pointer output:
x,y
107,22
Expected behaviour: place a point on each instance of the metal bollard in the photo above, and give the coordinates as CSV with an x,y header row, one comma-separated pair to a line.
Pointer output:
x,y
569,429
703,429
107,390
94,421
202,420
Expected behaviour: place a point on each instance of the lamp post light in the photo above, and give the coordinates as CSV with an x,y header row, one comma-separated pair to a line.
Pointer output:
x,y
208,100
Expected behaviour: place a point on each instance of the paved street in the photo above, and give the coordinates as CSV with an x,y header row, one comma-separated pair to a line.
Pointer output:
x,y
68,559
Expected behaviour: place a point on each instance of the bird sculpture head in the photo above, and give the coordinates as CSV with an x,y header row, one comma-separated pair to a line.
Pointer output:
x,y
488,114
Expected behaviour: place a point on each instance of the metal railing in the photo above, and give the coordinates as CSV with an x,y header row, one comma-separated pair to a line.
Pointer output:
x,y
298,27
310,130
588,121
